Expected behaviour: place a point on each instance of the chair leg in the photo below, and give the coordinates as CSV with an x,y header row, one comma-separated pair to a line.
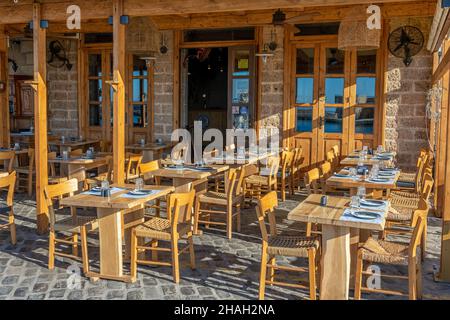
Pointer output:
x,y
358,276
133,262
263,273
272,261
175,260
84,250
196,215
308,229
238,217
191,250
412,279
419,279
229,221
423,247
283,190
51,250
75,244
30,185
12,228
312,274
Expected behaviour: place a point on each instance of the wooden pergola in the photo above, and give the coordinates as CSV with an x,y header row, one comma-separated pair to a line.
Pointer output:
x,y
177,15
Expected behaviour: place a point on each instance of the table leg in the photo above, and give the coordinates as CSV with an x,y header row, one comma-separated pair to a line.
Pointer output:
x,y
131,219
336,263
110,233
182,185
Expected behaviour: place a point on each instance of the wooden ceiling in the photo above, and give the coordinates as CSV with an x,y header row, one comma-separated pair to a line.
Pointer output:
x,y
170,14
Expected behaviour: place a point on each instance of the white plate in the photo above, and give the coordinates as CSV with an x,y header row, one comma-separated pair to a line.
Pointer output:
x,y
365,215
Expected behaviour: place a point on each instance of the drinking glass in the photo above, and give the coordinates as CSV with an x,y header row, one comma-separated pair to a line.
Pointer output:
x,y
353,172
139,184
65,155
142,142
361,192
16,146
354,203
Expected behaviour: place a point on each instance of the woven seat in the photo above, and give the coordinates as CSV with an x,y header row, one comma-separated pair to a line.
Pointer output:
x,y
292,246
159,228
258,180
409,177
399,214
219,198
380,251
74,224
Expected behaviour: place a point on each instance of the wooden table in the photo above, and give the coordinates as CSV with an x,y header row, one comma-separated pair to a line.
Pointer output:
x,y
337,238
150,151
354,184
70,145
249,158
353,160
76,163
18,153
109,213
184,179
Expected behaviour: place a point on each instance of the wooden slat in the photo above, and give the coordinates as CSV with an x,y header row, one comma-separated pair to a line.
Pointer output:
x,y
119,63
11,13
40,117
4,106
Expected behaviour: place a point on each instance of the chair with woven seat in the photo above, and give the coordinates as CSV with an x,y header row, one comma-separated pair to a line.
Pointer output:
x,y
411,182
75,226
145,171
175,227
7,160
331,158
8,183
26,174
256,184
394,253
274,245
296,167
283,174
411,176
312,181
231,202
325,173
132,171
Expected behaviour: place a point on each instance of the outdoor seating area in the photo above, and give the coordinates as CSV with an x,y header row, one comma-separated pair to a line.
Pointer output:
x,y
261,151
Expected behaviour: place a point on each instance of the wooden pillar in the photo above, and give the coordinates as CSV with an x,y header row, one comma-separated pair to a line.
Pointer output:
x,y
176,80
119,93
4,101
40,117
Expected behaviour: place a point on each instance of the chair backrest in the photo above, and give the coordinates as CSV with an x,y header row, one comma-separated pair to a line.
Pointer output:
x,y
180,208
287,158
312,178
427,186
336,151
66,188
51,165
76,152
297,161
9,182
31,158
424,168
146,169
418,222
325,172
134,161
109,167
273,163
7,157
266,207
105,146
331,158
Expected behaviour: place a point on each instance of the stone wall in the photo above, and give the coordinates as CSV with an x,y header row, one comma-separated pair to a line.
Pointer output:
x,y
61,84
272,82
407,87
163,105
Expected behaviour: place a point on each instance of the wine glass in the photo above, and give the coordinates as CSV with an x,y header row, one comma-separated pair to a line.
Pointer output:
x,y
139,184
355,203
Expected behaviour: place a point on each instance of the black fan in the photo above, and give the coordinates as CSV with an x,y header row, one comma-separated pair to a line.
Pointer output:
x,y
58,57
405,42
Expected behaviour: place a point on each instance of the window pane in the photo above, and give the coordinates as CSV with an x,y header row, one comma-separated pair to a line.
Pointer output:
x,y
95,90
139,116
139,67
95,65
304,119
241,65
364,120
241,89
305,90
305,61
333,120
367,61
334,90
335,61
365,90
95,115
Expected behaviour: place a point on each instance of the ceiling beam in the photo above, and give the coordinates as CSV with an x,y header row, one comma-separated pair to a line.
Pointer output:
x,y
55,10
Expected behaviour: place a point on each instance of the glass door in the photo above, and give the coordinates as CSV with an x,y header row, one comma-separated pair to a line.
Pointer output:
x,y
241,87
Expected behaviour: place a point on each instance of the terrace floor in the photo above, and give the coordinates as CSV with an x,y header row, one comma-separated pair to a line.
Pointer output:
x,y
225,269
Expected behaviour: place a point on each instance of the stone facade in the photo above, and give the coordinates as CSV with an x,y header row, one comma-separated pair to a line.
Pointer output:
x,y
406,126
61,84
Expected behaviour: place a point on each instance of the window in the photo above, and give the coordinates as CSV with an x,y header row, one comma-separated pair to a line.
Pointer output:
x,y
304,96
95,89
140,86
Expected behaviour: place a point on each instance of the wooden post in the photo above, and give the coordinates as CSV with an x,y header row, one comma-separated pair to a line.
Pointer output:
x,y
40,117
4,105
119,93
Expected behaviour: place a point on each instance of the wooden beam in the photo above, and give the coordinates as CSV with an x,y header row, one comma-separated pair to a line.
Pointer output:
x,y
4,105
11,13
439,28
119,63
40,117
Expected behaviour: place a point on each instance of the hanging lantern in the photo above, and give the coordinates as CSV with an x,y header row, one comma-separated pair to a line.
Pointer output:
x,y
354,32
142,37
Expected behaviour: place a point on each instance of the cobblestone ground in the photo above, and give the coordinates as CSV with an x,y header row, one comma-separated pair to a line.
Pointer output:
x,y
226,269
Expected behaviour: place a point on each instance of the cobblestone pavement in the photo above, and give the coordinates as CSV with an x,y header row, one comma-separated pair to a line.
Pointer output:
x,y
225,269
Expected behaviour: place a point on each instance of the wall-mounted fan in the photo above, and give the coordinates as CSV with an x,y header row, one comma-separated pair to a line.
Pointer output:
x,y
405,42
58,57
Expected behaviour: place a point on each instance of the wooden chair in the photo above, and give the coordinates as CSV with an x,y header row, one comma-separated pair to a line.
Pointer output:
x,y
105,146
291,246
9,183
231,201
331,158
312,181
175,227
74,225
7,159
283,175
412,176
26,174
76,153
406,183
107,175
255,185
389,252
296,167
145,171
133,162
